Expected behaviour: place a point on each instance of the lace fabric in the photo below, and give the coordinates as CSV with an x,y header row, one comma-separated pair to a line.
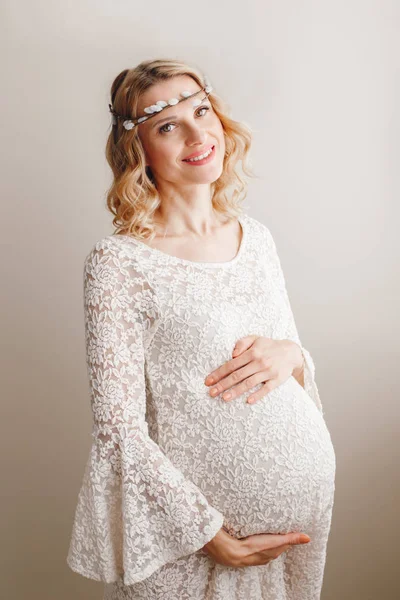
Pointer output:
x,y
169,465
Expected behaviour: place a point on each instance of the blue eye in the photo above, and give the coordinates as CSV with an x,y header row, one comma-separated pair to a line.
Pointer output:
x,y
162,130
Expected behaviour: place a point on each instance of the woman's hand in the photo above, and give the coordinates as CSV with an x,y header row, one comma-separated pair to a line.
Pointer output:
x,y
258,549
256,360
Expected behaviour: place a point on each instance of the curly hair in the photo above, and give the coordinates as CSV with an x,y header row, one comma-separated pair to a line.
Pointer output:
x,y
132,197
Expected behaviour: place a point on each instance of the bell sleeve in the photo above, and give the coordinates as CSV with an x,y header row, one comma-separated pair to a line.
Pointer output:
x,y
135,511
286,325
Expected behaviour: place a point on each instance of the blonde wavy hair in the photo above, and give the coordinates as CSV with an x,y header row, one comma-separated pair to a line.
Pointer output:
x,y
132,197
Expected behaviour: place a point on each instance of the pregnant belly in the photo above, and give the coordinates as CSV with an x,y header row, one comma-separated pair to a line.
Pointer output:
x,y
267,467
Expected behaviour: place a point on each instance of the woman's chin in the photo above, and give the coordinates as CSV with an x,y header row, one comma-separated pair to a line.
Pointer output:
x,y
209,174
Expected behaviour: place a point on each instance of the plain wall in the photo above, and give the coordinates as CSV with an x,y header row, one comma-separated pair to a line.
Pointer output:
x,y
318,82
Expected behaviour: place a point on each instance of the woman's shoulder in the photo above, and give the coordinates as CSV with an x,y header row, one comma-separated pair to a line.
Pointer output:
x,y
113,264
258,228
108,245
112,254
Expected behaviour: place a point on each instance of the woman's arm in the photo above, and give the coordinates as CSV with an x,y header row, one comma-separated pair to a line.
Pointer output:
x,y
286,327
135,510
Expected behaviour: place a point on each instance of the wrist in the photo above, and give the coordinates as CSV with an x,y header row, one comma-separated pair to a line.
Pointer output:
x,y
298,360
297,373
298,369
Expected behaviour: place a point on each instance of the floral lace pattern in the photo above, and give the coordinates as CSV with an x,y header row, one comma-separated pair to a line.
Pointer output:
x,y
169,465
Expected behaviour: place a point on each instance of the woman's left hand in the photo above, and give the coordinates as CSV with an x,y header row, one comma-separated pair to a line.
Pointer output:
x,y
256,360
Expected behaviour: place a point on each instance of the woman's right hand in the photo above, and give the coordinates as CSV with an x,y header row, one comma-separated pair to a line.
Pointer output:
x,y
257,549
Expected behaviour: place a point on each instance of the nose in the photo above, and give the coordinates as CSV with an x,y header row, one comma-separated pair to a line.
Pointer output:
x,y
196,136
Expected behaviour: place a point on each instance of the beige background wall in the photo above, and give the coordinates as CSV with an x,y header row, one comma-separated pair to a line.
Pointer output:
x,y
318,81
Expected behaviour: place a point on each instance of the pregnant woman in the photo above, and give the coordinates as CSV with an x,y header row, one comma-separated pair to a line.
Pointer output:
x,y
211,470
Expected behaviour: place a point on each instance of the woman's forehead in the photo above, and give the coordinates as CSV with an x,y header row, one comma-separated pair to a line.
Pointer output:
x,y
165,90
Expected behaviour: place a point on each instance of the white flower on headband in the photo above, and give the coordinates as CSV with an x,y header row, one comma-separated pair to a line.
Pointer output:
x,y
128,124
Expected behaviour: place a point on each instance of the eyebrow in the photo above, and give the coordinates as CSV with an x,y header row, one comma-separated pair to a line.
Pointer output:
x,y
174,116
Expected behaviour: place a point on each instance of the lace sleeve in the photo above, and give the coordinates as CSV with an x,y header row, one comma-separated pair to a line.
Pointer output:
x,y
286,327
135,510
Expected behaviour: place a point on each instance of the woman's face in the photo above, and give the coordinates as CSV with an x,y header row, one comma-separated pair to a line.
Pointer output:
x,y
178,131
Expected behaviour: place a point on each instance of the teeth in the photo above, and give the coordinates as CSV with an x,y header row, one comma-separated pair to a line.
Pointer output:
x,y
199,157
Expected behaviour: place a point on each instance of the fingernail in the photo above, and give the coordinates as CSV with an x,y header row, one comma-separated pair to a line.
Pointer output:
x,y
304,538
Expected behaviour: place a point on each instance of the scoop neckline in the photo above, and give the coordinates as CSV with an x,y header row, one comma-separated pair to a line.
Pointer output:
x,y
176,259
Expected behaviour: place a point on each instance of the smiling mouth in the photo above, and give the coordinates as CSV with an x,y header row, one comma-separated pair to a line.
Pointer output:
x,y
200,157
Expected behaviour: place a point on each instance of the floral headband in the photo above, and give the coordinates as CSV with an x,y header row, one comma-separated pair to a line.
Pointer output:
x,y
152,110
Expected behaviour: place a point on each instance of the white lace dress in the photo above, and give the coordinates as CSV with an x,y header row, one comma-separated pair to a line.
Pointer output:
x,y
169,464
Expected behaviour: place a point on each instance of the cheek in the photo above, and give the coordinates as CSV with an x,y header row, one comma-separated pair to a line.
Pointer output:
x,y
162,154
157,151
220,133
168,157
